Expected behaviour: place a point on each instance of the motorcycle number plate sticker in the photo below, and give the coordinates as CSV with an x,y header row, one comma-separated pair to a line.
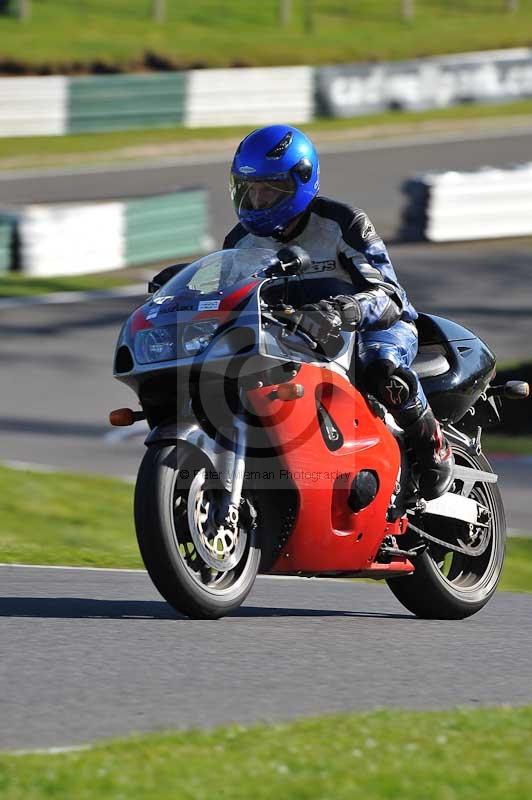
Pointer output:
x,y
209,305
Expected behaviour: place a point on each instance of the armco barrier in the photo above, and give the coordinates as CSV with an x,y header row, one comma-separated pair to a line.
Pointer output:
x,y
118,102
56,105
78,238
33,106
59,105
494,76
253,96
459,206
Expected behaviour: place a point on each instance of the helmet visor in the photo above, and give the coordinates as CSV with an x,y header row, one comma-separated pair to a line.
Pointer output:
x,y
250,194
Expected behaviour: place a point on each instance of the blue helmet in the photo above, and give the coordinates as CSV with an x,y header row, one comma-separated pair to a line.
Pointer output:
x,y
275,175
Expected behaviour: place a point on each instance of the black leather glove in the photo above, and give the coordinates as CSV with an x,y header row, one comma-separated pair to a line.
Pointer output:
x,y
320,320
349,309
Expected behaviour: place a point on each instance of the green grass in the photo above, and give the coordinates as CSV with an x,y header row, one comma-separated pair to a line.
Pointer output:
x,y
39,151
59,518
81,520
498,443
17,285
517,575
464,754
119,34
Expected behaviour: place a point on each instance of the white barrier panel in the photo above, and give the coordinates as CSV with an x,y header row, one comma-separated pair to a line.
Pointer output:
x,y
454,206
33,106
72,239
254,96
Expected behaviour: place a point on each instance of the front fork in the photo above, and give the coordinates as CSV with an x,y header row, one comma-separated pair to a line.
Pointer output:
x,y
232,470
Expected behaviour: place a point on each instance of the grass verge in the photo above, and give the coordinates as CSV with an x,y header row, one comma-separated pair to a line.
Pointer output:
x,y
56,518
47,151
493,443
123,34
393,755
82,520
18,285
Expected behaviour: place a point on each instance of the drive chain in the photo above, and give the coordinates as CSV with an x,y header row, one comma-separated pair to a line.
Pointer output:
x,y
468,551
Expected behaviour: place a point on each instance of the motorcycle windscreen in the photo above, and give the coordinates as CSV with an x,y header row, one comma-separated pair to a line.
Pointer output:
x,y
216,273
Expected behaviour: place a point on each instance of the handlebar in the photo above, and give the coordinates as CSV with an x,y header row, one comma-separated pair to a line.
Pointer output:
x,y
310,343
288,337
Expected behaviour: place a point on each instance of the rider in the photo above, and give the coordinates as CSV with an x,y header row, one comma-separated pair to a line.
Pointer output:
x,y
274,187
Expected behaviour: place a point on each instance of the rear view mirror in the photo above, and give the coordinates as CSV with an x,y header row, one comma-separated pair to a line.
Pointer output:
x,y
163,277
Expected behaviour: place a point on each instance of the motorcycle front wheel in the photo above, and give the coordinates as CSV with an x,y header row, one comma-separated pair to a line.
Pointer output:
x,y
451,585
203,571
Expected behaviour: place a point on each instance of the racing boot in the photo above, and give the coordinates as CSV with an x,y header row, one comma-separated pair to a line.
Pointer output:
x,y
433,453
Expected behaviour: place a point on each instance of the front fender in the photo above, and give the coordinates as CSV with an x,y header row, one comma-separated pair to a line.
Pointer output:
x,y
194,437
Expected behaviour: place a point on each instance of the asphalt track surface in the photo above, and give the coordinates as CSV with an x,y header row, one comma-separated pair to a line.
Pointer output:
x,y
89,655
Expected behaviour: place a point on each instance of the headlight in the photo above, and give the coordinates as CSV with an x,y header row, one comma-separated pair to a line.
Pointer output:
x,y
156,344
197,336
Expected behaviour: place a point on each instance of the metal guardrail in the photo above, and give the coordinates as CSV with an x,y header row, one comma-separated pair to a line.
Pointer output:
x,y
118,102
254,96
33,106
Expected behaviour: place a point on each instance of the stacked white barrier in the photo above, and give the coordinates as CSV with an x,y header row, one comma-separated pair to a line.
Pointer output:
x,y
252,96
488,203
71,239
80,238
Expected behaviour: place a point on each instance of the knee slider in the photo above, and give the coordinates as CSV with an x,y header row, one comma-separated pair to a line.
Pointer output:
x,y
392,386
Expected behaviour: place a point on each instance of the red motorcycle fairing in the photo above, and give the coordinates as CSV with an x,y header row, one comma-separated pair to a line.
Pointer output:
x,y
328,537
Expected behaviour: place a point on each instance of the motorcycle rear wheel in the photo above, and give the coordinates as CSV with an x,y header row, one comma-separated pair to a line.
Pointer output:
x,y
447,585
172,484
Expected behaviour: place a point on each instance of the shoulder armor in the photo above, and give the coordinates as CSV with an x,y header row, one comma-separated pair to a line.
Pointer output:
x,y
357,229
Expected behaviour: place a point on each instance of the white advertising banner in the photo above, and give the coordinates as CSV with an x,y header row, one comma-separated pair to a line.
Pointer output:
x,y
493,76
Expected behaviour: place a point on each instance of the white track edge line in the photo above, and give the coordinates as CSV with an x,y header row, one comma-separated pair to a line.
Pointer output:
x,y
48,751
143,572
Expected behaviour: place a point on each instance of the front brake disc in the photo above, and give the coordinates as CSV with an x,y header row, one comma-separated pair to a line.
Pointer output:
x,y
219,546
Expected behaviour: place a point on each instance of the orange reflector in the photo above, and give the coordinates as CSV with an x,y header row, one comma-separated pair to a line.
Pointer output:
x,y
122,416
289,391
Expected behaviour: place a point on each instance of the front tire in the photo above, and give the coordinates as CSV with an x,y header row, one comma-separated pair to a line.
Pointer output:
x,y
200,573
451,585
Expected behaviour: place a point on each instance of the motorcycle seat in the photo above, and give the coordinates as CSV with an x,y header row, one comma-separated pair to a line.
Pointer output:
x,y
430,362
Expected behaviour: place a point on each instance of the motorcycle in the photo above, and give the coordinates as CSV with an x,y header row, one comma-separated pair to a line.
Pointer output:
x,y
265,454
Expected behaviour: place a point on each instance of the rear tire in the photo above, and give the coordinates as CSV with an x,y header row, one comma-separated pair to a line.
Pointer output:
x,y
447,585
171,554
